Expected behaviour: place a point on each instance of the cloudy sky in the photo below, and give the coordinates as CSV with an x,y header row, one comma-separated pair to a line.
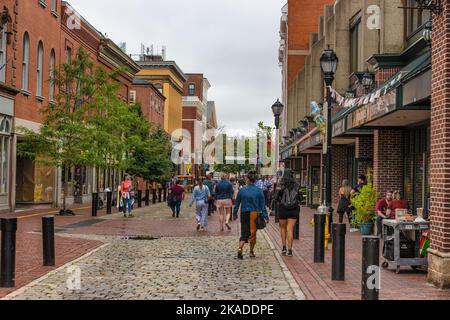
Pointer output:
x,y
233,42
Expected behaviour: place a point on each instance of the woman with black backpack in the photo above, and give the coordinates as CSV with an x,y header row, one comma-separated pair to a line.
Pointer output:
x,y
289,199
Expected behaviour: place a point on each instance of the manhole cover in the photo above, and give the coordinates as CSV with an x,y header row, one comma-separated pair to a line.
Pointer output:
x,y
81,224
140,238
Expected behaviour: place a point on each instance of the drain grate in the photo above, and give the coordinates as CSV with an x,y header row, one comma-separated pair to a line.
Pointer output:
x,y
139,238
81,224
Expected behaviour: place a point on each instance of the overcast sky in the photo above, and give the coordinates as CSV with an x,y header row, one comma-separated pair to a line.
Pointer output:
x,y
234,43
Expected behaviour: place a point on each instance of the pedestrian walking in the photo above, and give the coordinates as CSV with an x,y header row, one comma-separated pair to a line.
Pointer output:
x,y
250,200
289,199
176,197
343,208
224,196
200,196
209,183
126,191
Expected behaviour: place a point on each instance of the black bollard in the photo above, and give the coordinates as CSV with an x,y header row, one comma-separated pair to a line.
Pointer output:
x,y
154,196
48,241
108,202
159,195
338,258
370,268
297,230
8,253
319,238
147,198
139,198
94,204
165,195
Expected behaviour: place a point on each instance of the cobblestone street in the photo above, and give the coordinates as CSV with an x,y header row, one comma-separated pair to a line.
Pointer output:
x,y
178,264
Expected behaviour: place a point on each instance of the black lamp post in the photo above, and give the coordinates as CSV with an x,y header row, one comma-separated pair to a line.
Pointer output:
x,y
277,109
329,63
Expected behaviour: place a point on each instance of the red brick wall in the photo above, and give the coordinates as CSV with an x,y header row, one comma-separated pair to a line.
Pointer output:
x,y
338,169
388,160
440,133
382,75
197,80
41,25
147,96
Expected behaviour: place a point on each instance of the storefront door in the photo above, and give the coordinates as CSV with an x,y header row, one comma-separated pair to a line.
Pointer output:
x,y
314,196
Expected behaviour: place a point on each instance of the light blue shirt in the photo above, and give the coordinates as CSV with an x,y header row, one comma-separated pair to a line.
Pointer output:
x,y
251,198
199,195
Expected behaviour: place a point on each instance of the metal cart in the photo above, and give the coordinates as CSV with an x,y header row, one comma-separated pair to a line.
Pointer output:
x,y
391,233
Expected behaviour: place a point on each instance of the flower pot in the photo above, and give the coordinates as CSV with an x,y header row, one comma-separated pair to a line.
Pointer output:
x,y
366,228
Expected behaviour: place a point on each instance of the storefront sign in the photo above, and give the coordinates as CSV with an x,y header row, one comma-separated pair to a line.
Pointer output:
x,y
371,111
311,142
339,127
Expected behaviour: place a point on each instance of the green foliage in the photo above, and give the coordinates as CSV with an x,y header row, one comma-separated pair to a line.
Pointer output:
x,y
364,204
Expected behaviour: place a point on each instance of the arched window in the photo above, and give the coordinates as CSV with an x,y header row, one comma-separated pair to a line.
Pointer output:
x,y
54,6
25,61
51,94
3,47
40,58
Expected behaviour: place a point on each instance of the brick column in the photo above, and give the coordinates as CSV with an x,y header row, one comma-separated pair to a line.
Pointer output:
x,y
387,160
439,252
364,154
338,170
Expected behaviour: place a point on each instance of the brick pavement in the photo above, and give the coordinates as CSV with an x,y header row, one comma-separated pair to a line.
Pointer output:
x,y
315,279
180,264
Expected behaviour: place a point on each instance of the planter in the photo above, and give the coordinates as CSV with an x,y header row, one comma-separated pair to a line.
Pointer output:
x,y
366,228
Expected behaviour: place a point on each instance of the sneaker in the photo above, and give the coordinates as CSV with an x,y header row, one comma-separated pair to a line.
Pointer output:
x,y
240,255
354,230
228,227
198,226
290,254
284,251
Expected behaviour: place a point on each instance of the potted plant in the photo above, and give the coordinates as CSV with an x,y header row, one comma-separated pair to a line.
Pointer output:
x,y
364,213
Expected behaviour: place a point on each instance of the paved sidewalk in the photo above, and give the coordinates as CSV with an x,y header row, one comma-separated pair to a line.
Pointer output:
x,y
315,279
180,263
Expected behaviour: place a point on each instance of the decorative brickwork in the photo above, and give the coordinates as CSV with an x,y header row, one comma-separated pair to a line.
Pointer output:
x,y
388,160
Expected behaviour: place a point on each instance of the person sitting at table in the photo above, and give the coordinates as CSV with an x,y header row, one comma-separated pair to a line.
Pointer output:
x,y
395,204
381,209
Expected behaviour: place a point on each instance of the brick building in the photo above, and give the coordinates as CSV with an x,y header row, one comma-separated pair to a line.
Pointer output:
x,y
395,130
151,100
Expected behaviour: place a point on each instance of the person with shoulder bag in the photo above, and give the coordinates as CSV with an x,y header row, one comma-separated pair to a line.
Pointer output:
x,y
289,199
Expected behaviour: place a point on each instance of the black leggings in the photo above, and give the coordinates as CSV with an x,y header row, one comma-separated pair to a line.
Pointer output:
x,y
341,216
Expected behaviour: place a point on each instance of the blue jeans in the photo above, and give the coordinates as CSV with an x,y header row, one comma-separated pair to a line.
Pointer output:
x,y
127,205
176,207
202,213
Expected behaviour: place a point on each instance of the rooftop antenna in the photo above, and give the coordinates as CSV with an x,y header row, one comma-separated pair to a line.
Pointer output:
x,y
163,52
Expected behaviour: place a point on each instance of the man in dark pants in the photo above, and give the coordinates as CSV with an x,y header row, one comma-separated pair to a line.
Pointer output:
x,y
208,182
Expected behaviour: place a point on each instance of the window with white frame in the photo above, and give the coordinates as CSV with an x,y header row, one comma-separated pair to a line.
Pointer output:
x,y
40,62
51,94
3,56
191,89
5,131
54,6
25,61
132,96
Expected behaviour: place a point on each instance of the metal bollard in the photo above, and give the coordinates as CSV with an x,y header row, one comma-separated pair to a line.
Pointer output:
x,y
297,230
8,253
147,198
159,195
108,202
319,235
139,200
338,258
154,196
370,268
165,195
48,241
94,204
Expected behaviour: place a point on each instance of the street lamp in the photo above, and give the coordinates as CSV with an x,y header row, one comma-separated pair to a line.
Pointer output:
x,y
367,81
329,63
277,109
428,32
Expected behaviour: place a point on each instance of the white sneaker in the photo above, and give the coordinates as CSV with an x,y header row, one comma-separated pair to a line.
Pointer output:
x,y
354,230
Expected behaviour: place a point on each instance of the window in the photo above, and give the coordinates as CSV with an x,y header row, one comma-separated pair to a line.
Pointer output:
x,y
132,96
191,89
415,18
5,129
68,55
25,61
54,6
51,93
3,56
159,87
40,58
354,45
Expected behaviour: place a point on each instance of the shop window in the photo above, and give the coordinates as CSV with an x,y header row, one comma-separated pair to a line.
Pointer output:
x,y
40,62
25,61
3,55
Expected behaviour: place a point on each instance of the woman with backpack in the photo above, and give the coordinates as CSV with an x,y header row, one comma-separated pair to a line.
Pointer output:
x,y
289,199
345,193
